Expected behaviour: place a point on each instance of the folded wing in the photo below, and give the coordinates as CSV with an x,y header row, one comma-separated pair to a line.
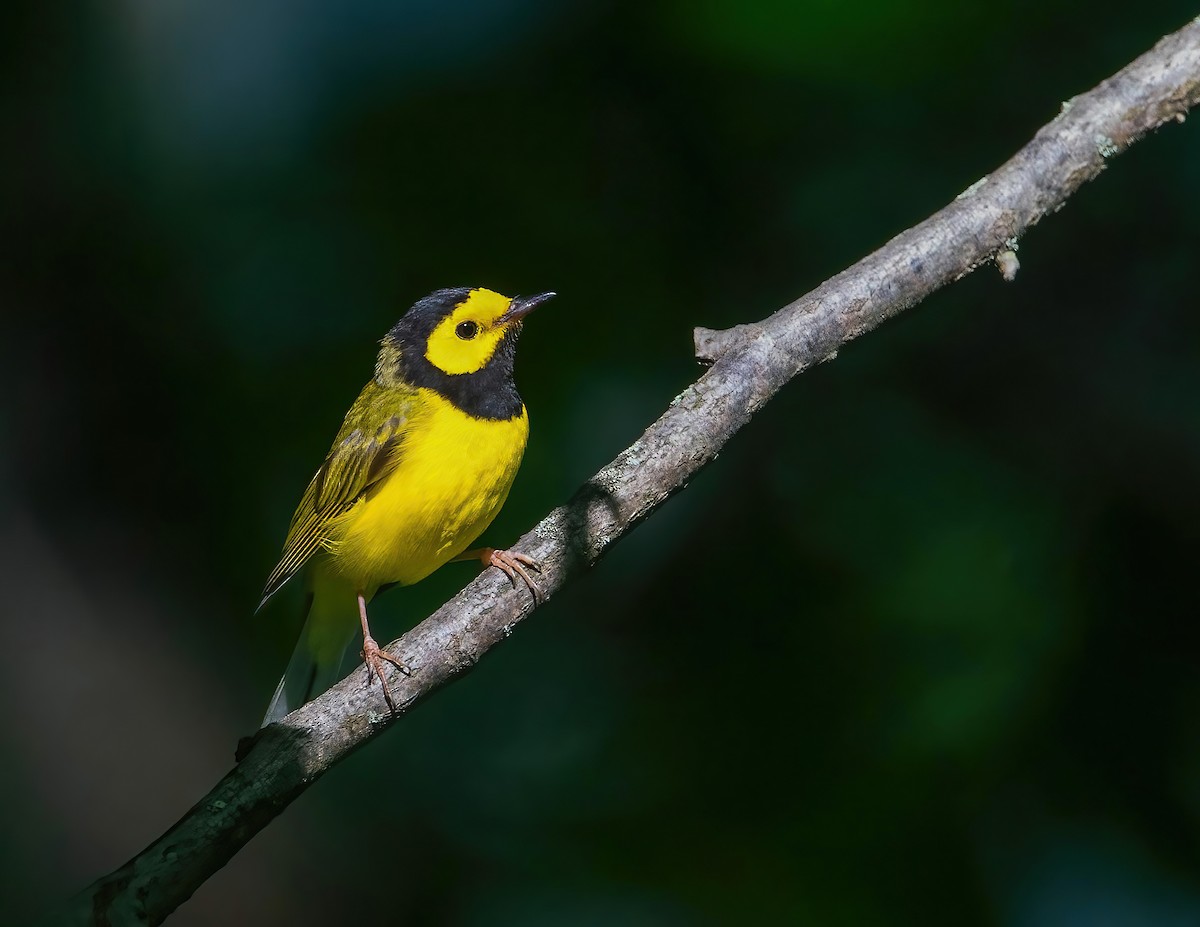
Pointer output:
x,y
367,448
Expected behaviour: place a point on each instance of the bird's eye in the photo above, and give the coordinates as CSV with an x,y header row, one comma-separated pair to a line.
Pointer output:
x,y
466,330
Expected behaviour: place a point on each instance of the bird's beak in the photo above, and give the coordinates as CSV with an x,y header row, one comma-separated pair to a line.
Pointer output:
x,y
521,306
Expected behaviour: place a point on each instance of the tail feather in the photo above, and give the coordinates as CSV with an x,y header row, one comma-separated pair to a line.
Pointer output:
x,y
316,662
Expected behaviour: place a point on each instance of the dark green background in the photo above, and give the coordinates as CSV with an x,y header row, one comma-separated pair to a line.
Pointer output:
x,y
920,648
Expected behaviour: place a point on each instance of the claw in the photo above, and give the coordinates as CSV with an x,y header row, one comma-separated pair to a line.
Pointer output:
x,y
513,565
374,657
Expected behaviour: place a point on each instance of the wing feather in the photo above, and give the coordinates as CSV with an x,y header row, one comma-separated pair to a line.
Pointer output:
x,y
367,448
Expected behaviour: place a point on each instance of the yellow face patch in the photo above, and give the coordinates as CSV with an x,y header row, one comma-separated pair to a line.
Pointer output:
x,y
465,340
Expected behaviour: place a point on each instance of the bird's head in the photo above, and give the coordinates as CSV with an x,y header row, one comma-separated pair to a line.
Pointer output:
x,y
455,335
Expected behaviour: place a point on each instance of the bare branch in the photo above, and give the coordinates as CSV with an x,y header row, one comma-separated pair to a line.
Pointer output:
x,y
750,364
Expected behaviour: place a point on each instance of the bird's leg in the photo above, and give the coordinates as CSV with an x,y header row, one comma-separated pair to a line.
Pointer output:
x,y
374,657
511,564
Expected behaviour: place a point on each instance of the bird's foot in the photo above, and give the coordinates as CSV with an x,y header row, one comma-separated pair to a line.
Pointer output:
x,y
374,657
513,565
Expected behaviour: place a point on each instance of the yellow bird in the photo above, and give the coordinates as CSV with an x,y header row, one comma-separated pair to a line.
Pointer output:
x,y
423,462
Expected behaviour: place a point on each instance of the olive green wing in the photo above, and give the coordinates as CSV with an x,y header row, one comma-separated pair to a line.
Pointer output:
x,y
367,448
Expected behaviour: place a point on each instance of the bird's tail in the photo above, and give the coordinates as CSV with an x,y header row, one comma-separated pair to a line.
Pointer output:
x,y
316,663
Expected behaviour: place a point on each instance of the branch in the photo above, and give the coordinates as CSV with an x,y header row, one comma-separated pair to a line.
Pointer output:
x,y
750,364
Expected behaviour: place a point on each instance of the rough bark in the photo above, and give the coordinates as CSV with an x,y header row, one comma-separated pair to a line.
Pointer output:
x,y
750,363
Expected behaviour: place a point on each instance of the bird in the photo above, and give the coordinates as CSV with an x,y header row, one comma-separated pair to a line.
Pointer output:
x,y
422,464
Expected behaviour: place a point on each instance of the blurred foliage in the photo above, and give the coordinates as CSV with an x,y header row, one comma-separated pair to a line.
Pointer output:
x,y
920,647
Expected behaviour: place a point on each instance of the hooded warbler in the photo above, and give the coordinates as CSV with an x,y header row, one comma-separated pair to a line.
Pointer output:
x,y
422,464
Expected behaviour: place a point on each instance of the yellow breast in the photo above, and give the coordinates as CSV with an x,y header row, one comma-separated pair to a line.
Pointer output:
x,y
453,475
